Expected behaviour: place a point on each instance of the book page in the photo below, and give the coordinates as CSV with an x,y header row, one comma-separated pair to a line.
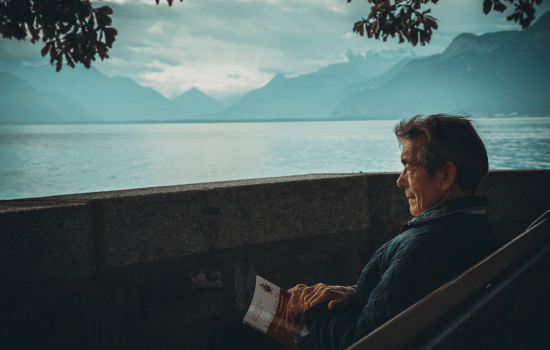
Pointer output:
x,y
266,313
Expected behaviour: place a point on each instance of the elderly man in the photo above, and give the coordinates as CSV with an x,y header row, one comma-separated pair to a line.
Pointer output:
x,y
444,162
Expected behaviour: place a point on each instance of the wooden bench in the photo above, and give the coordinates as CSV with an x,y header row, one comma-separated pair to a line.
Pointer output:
x,y
469,311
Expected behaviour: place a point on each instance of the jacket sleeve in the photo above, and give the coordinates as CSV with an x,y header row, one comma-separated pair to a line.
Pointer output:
x,y
401,285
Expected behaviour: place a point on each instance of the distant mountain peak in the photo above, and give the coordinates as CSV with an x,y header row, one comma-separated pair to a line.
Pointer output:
x,y
468,42
352,57
279,77
196,103
193,91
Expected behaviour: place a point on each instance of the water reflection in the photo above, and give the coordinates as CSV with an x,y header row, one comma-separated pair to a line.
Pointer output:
x,y
61,159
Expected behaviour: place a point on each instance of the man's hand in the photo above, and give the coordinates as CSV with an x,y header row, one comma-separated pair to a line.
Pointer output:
x,y
295,306
337,295
303,297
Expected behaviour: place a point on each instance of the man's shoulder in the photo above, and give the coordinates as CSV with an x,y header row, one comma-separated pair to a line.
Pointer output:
x,y
458,221
454,233
438,231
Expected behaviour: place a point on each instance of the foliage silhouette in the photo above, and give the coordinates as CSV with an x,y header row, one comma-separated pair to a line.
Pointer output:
x,y
75,31
403,17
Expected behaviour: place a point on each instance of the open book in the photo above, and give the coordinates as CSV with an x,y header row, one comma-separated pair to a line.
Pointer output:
x,y
267,310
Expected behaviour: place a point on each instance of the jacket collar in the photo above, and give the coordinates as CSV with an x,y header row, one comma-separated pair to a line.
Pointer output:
x,y
470,204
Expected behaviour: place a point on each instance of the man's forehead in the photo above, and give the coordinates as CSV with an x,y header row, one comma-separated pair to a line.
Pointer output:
x,y
408,151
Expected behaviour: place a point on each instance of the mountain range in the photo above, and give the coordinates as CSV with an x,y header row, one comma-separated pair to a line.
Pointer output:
x,y
19,103
108,99
314,95
504,72
498,73
197,103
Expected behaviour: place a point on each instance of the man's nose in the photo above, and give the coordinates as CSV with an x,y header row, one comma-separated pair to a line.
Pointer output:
x,y
401,181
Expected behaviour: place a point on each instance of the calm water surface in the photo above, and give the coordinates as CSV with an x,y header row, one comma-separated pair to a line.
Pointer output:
x,y
45,160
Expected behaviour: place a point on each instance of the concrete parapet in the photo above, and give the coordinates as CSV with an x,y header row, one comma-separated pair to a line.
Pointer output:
x,y
158,267
155,226
144,225
517,198
45,240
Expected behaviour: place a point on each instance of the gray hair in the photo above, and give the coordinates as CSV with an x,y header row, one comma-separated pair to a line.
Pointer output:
x,y
447,138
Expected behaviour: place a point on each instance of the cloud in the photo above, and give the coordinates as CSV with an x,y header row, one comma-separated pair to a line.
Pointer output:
x,y
241,44
155,29
207,77
254,39
248,39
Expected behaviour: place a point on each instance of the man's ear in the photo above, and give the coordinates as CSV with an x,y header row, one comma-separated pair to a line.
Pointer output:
x,y
449,176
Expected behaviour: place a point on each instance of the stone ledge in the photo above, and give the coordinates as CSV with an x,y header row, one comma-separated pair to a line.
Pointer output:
x,y
64,237
160,225
205,186
46,241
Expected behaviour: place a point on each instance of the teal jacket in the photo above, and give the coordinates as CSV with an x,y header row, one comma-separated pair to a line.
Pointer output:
x,y
431,249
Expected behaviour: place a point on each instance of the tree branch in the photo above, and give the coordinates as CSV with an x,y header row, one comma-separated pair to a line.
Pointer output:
x,y
405,19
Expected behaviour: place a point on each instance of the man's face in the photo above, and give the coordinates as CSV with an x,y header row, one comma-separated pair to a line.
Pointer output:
x,y
423,193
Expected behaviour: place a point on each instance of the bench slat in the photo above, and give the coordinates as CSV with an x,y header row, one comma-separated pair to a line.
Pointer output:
x,y
405,327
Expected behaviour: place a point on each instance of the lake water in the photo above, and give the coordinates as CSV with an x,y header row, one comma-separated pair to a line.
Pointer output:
x,y
45,160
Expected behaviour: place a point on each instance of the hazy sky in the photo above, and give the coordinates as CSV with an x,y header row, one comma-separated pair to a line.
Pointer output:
x,y
229,46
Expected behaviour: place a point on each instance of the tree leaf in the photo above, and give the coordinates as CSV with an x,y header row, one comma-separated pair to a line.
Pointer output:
x,y
498,6
400,37
59,63
45,50
431,23
424,37
106,10
91,23
70,62
487,6
110,34
52,54
414,36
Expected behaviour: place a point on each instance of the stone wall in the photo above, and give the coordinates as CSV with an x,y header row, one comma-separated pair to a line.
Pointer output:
x,y
157,268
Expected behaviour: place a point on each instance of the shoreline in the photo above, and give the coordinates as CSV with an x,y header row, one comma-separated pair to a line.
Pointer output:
x,y
277,120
